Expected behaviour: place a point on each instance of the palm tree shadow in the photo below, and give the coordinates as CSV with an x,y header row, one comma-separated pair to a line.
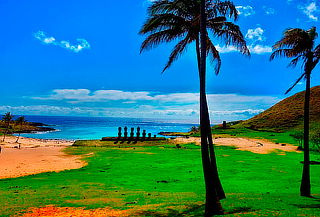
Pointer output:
x,y
195,210
309,205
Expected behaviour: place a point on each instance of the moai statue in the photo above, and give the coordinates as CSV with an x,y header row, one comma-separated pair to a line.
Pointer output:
x,y
149,136
155,136
119,136
125,134
132,133
224,125
119,132
144,135
138,133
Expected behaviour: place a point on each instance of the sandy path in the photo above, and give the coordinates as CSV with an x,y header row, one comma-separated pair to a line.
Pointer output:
x,y
258,146
35,156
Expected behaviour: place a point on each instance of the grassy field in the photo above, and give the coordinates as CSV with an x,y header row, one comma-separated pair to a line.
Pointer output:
x,y
161,180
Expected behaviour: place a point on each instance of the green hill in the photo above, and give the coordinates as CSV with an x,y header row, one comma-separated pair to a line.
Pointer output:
x,y
287,114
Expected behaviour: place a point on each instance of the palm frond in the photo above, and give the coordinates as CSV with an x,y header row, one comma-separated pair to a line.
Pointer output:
x,y
155,39
177,52
214,54
161,22
289,53
231,35
295,83
222,8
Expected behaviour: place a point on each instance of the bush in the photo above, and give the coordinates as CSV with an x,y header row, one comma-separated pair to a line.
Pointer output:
x,y
315,139
298,137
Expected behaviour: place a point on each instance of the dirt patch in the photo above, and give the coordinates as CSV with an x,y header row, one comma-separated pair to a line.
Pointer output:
x,y
96,201
49,211
27,161
258,146
145,152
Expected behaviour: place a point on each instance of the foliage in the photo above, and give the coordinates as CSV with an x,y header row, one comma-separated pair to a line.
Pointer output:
x,y
171,20
315,139
298,136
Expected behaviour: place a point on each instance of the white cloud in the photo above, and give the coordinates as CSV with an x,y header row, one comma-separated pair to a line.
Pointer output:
x,y
255,34
254,49
310,10
245,10
117,103
226,49
269,11
85,95
77,47
260,49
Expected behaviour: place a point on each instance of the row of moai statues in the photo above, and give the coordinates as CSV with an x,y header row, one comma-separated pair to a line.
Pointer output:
x,y
131,136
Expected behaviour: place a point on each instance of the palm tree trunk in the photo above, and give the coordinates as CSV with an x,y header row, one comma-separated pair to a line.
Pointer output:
x,y
305,188
213,205
218,186
19,133
18,138
5,132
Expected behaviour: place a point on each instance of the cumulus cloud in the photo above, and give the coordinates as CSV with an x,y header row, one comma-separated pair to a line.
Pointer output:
x,y
80,44
269,11
255,34
245,10
310,10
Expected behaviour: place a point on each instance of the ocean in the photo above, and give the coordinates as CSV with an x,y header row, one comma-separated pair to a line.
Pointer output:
x,y
75,128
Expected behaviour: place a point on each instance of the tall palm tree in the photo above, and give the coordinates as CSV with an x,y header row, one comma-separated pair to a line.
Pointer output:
x,y
196,21
7,118
20,121
299,45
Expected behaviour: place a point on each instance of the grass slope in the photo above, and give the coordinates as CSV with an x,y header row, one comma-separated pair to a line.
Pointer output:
x,y
287,114
162,180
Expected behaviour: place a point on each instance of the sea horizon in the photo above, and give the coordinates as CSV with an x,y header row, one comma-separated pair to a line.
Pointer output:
x,y
86,128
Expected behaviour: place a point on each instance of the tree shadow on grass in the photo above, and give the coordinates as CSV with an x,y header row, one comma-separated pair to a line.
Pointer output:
x,y
238,210
195,210
308,206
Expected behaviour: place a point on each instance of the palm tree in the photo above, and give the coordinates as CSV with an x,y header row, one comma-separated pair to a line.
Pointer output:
x,y
7,118
20,121
299,44
190,21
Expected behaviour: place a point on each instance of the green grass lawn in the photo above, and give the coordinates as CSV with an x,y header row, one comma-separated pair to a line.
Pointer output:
x,y
169,181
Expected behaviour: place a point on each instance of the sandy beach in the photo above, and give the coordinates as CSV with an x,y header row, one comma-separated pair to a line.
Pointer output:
x,y
259,146
35,156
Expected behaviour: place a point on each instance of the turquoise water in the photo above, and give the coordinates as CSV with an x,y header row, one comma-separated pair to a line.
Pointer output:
x,y
73,128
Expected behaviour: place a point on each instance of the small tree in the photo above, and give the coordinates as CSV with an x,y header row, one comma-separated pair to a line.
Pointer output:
x,y
7,118
315,139
298,137
20,122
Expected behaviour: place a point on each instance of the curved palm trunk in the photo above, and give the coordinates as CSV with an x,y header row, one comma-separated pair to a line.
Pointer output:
x,y
305,188
5,132
206,123
213,205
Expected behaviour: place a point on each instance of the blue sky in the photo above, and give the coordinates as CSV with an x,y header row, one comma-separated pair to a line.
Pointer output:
x,y
82,58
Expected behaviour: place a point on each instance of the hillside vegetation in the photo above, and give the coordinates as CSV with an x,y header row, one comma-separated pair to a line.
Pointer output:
x,y
287,114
